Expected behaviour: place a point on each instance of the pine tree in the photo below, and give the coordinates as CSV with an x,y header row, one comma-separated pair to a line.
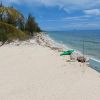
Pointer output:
x,y
1,11
31,25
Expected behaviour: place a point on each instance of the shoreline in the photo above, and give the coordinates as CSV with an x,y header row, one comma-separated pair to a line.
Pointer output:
x,y
46,40
90,47
66,47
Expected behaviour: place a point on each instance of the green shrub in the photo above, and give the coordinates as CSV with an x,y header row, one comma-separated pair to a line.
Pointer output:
x,y
10,33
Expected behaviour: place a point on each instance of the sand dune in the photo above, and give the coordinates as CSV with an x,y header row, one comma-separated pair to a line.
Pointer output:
x,y
39,73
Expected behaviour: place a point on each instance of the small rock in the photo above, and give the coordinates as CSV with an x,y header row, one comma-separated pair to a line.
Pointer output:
x,y
81,59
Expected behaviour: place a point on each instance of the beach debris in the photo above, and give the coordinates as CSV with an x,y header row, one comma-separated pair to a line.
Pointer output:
x,y
81,59
44,40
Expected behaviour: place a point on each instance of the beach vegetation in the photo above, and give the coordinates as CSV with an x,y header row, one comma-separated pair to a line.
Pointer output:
x,y
10,33
14,26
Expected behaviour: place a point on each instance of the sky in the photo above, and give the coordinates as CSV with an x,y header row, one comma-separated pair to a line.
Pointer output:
x,y
61,15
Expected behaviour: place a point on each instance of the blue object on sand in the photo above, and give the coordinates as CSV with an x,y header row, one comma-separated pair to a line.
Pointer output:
x,y
95,64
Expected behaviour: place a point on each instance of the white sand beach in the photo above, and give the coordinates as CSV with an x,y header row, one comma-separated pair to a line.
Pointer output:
x,y
39,73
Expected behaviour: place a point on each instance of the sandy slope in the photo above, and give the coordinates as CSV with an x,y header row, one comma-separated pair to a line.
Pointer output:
x,y
38,73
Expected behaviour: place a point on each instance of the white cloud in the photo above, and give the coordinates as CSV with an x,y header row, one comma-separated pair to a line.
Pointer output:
x,y
93,12
7,2
66,4
77,18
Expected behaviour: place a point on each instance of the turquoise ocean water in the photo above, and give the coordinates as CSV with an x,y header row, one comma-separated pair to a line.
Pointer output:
x,y
88,42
